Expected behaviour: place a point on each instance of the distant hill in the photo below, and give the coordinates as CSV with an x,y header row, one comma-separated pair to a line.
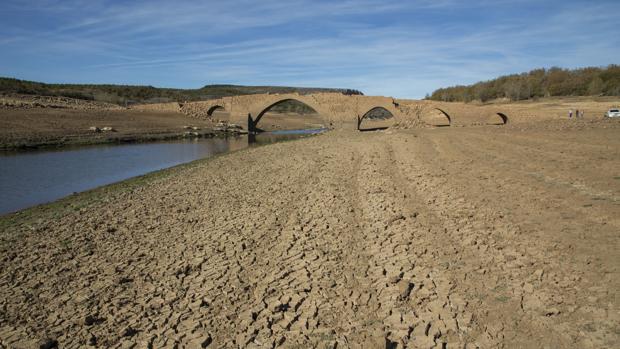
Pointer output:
x,y
591,81
127,94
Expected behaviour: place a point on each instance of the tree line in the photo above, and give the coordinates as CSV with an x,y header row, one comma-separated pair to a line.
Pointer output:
x,y
590,81
128,94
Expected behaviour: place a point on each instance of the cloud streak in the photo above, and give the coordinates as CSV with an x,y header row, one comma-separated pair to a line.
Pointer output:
x,y
403,49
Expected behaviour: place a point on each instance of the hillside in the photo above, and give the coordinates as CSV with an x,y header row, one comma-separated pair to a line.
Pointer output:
x,y
591,81
127,94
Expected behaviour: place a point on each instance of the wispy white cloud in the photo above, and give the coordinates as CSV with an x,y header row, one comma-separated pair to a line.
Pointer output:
x,y
405,49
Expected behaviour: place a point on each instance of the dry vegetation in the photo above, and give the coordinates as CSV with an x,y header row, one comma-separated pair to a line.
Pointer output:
x,y
127,95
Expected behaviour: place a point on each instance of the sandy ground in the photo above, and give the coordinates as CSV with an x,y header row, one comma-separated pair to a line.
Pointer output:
x,y
36,127
290,121
44,127
558,107
435,238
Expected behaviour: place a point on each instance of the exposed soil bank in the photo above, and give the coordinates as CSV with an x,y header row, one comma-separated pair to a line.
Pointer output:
x,y
106,139
31,127
439,237
49,127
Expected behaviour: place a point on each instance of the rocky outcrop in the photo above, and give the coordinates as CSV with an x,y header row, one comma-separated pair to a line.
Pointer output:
x,y
159,107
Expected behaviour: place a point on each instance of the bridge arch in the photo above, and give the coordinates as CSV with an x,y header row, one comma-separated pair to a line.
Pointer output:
x,y
215,108
263,108
504,117
496,118
380,109
380,118
435,116
446,115
270,106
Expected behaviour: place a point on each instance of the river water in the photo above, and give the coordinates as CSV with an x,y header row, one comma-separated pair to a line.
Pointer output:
x,y
29,178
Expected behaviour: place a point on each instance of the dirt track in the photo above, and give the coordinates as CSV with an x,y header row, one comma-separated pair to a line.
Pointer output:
x,y
490,237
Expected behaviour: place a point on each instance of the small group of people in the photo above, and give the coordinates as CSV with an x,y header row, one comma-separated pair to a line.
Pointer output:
x,y
578,113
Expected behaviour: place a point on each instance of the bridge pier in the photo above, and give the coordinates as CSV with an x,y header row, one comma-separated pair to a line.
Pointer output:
x,y
251,125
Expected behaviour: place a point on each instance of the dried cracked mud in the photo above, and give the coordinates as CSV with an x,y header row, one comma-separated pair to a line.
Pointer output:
x,y
441,238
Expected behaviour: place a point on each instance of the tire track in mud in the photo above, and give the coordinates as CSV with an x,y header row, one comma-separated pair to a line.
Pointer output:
x,y
515,278
219,293
562,140
555,192
218,283
299,294
415,307
457,234
560,176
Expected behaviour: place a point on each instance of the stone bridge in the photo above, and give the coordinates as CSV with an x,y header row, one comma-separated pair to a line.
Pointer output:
x,y
345,111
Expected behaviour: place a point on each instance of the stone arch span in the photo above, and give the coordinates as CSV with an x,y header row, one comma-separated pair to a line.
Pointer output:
x,y
496,118
446,115
262,113
367,115
215,108
434,116
379,123
258,111
504,117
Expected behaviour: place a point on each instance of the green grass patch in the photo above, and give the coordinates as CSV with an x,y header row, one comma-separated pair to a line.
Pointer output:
x,y
65,244
500,288
502,298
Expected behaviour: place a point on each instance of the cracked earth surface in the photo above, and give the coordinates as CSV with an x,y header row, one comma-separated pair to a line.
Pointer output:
x,y
441,238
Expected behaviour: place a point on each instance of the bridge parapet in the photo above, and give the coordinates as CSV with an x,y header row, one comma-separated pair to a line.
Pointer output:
x,y
204,109
435,113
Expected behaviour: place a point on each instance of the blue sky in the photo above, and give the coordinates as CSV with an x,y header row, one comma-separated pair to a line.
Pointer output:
x,y
382,47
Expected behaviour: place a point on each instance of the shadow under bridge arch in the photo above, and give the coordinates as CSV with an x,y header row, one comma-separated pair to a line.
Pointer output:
x,y
286,113
216,108
377,118
504,117
440,122
497,118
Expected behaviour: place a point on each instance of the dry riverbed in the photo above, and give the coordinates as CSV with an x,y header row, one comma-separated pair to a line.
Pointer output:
x,y
28,122
451,237
22,128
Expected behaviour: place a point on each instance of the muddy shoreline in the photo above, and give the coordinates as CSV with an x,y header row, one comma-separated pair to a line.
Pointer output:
x,y
35,122
60,207
71,141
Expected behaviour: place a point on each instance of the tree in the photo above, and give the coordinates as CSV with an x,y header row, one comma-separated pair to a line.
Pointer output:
x,y
538,83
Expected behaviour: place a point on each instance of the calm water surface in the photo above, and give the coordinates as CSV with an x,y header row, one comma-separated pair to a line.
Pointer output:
x,y
30,178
